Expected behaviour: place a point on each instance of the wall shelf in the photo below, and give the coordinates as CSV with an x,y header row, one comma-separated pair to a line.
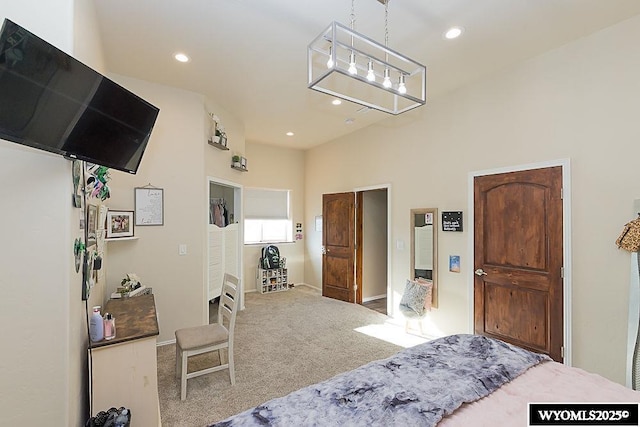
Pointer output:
x,y
115,239
241,169
218,145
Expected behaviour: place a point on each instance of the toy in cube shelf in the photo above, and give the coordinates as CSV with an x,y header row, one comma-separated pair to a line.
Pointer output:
x,y
270,257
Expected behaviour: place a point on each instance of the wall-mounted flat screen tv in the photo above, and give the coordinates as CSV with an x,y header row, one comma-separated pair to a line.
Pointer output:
x,y
53,102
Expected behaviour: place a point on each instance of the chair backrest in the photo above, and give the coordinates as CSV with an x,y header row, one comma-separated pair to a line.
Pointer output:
x,y
228,305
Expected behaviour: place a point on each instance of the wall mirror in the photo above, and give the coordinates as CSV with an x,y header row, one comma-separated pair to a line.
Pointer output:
x,y
424,247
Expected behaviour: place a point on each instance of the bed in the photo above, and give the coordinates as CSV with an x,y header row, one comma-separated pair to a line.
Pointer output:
x,y
458,380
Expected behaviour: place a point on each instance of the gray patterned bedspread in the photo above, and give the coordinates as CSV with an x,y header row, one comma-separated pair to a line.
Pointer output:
x,y
416,387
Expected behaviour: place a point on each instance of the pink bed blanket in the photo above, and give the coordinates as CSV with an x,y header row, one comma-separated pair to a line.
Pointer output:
x,y
546,382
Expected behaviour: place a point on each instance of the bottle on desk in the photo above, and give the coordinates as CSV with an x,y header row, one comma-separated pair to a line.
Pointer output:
x,y
109,327
96,325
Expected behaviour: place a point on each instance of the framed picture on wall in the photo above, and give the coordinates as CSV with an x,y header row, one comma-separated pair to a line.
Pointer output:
x,y
119,224
91,224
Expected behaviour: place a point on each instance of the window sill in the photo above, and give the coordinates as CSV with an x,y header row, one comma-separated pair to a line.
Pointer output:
x,y
268,243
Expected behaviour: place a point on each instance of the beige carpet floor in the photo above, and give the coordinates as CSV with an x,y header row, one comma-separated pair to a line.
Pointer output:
x,y
284,341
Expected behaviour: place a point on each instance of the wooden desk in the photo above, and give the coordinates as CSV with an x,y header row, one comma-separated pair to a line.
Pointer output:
x,y
125,370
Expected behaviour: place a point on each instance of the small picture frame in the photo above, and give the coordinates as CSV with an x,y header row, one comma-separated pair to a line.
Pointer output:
x,y
120,224
243,162
428,218
92,224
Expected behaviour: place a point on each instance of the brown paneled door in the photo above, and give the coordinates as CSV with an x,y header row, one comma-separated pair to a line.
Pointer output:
x,y
338,242
518,293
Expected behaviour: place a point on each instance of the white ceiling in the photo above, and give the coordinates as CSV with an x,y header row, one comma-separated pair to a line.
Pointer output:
x,y
249,56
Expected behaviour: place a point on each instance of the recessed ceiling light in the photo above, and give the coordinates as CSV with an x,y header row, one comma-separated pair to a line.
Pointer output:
x,y
289,133
181,57
336,102
453,33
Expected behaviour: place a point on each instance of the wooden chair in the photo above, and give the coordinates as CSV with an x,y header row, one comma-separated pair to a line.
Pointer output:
x,y
207,338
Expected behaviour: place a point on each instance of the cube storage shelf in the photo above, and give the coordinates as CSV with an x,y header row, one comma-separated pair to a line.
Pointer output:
x,y
273,280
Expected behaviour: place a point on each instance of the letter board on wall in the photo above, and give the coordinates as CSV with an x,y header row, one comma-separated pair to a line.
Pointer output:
x,y
452,221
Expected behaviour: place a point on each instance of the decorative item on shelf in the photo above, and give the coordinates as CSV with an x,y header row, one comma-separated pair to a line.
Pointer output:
x,y
239,162
213,127
120,224
130,286
352,66
217,135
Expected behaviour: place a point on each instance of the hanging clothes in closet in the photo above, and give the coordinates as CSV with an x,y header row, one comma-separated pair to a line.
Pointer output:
x,y
218,213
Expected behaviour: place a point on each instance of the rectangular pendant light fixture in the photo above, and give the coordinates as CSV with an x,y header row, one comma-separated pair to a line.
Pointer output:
x,y
351,66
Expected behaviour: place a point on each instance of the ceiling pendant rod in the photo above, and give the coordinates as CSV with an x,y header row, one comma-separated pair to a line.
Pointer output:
x,y
352,55
386,82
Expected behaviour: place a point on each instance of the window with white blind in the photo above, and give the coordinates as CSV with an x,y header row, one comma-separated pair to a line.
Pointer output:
x,y
267,216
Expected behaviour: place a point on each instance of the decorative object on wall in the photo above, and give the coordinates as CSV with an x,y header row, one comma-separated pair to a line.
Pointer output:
x,y
454,263
149,205
91,224
452,221
352,66
76,173
120,224
78,250
97,182
299,231
319,223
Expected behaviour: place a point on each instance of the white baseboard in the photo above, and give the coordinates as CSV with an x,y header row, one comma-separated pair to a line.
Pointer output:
x,y
367,299
308,285
160,344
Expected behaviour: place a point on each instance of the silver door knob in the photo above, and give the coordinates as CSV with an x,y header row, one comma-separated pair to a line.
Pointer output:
x,y
480,272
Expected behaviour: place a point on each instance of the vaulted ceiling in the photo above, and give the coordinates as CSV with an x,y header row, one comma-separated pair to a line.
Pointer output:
x,y
250,56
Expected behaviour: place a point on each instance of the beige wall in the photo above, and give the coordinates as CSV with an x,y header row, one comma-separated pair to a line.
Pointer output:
x,y
579,102
173,161
44,376
278,168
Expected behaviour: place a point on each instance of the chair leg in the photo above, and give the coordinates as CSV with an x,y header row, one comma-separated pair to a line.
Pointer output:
x,y
183,377
232,373
178,360
222,355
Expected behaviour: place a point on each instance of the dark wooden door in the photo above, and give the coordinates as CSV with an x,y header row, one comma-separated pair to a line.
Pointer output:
x,y
338,241
518,294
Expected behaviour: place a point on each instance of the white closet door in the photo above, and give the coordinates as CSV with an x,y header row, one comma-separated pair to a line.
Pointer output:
x,y
231,249
216,260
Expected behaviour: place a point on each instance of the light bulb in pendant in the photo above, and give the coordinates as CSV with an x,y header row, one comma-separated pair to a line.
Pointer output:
x,y
330,61
401,87
370,74
352,64
387,81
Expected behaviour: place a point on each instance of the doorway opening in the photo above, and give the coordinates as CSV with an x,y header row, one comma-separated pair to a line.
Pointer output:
x,y
355,246
374,248
224,241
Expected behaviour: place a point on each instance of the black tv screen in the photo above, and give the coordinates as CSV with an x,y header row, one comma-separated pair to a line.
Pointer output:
x,y
51,101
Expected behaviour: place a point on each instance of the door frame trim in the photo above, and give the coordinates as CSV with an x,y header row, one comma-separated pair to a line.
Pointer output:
x,y
387,187
238,206
566,240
